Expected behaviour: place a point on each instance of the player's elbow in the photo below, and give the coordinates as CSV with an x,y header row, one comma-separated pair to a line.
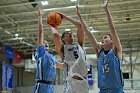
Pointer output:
x,y
60,65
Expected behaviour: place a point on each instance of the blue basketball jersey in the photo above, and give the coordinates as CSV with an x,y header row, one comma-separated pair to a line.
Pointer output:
x,y
109,71
46,65
46,70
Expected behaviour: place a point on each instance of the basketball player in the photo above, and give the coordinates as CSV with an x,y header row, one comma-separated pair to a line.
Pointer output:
x,y
46,63
73,55
109,57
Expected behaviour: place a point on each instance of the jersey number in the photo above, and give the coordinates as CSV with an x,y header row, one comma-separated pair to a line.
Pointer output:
x,y
75,54
106,68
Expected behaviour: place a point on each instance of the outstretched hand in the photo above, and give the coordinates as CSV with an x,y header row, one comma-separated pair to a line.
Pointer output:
x,y
61,14
105,4
78,11
39,9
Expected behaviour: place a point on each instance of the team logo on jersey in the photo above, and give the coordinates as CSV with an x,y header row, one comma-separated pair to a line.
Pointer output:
x,y
73,48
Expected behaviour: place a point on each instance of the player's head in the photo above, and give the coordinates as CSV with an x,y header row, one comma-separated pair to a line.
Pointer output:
x,y
107,40
46,45
67,37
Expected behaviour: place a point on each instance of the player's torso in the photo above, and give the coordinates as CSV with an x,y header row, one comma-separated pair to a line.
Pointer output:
x,y
73,53
74,58
46,69
109,70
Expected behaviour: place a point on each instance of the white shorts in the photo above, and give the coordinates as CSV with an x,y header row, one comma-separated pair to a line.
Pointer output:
x,y
77,86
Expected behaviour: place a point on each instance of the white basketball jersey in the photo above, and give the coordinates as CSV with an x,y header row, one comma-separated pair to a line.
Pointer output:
x,y
74,57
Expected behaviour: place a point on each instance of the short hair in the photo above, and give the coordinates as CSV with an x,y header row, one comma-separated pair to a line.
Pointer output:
x,y
109,35
46,43
63,35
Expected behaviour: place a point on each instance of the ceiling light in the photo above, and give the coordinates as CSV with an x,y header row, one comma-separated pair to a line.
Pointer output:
x,y
44,3
94,31
90,27
67,29
16,35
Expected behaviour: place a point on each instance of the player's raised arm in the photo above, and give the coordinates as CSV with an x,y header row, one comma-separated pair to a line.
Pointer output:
x,y
90,36
40,26
57,41
53,23
80,32
113,32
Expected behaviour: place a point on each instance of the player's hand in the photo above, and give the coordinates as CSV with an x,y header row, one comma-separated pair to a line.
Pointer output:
x,y
105,4
62,15
78,11
39,9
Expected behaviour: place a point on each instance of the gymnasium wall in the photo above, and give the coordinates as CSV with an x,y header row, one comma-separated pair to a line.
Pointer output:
x,y
24,81
27,87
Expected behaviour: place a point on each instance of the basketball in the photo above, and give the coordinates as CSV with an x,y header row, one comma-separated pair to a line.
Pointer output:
x,y
54,19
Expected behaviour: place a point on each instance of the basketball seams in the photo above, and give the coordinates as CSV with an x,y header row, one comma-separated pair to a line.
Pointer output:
x,y
50,20
54,19
59,17
59,20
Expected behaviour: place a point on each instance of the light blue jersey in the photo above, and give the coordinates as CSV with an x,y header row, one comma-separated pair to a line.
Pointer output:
x,y
109,72
45,72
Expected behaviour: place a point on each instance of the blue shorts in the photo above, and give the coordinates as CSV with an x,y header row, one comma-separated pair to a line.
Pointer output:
x,y
43,88
112,90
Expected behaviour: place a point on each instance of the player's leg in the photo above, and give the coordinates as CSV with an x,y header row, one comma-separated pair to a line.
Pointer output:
x,y
36,86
